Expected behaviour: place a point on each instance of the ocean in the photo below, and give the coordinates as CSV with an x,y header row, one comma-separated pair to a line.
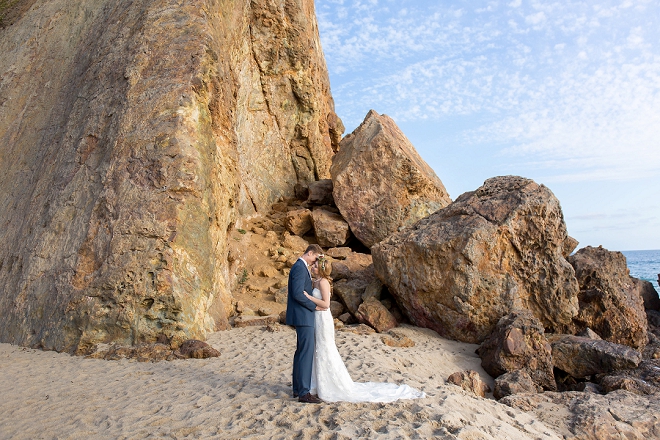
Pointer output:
x,y
644,265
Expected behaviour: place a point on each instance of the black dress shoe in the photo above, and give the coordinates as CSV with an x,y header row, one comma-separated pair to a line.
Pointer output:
x,y
295,395
309,398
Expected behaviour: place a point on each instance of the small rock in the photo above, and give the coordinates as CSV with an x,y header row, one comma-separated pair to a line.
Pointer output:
x,y
331,229
336,308
515,382
470,381
339,253
373,313
250,321
396,339
359,329
195,349
299,222
347,318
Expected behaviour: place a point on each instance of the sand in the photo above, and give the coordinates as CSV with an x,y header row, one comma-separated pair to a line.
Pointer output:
x,y
246,393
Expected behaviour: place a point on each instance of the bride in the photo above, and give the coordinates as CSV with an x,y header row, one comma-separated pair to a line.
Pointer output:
x,y
330,379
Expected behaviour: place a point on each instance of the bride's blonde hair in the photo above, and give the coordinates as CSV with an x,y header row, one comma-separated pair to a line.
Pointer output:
x,y
324,267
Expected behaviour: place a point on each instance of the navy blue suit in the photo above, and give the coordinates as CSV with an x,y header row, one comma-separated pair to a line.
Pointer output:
x,y
300,314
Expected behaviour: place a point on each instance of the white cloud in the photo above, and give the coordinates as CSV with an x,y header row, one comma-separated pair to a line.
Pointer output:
x,y
562,86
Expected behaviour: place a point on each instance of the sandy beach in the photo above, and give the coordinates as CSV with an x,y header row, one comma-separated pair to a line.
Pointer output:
x,y
246,393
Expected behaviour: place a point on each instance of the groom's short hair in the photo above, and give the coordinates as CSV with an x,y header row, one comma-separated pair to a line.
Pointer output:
x,y
315,248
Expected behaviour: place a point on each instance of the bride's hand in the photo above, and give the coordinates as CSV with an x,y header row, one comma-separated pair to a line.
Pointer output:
x,y
307,294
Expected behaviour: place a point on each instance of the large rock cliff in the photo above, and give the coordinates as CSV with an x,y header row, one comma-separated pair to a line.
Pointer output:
x,y
135,133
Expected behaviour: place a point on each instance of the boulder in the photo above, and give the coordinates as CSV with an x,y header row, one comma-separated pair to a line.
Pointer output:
x,y
519,344
336,309
590,416
374,290
588,333
494,250
331,229
470,381
296,244
299,221
320,192
339,253
350,292
643,380
355,265
581,357
515,382
648,293
372,312
380,182
610,303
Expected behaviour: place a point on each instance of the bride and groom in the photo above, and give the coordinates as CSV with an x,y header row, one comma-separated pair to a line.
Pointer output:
x,y
317,365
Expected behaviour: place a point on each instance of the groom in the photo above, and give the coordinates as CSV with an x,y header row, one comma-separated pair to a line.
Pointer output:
x,y
300,314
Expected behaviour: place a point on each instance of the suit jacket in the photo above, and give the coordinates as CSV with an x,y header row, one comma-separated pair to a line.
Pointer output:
x,y
299,309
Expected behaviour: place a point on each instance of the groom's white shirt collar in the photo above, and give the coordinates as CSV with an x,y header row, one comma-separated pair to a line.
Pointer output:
x,y
306,265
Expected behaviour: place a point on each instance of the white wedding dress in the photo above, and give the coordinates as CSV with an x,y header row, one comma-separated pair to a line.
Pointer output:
x,y
330,378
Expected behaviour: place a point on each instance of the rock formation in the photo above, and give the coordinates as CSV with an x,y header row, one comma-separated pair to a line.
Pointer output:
x,y
588,416
647,292
519,344
135,134
380,182
581,357
494,250
515,382
610,301
470,381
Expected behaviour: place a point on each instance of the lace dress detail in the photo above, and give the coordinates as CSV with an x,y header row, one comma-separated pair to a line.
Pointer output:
x,y
330,378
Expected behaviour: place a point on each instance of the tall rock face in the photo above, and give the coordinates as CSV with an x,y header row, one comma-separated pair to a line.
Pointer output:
x,y
494,250
134,134
380,183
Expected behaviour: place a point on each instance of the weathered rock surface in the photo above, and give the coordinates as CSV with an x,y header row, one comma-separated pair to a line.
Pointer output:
x,y
581,357
515,382
299,221
134,135
331,229
519,344
350,292
494,250
154,352
470,381
648,293
588,416
197,350
380,182
643,380
372,312
610,303
320,193
394,338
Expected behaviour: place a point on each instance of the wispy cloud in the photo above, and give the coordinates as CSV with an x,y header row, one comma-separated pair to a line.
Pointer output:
x,y
570,86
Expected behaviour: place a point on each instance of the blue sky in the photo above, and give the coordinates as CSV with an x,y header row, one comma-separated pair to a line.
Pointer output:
x,y
566,93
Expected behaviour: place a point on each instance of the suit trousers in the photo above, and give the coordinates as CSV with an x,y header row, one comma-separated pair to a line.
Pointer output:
x,y
303,360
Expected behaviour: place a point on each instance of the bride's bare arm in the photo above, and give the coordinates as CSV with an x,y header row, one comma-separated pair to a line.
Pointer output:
x,y
316,301
324,287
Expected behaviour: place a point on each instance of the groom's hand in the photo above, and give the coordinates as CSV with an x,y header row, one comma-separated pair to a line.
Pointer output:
x,y
321,309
